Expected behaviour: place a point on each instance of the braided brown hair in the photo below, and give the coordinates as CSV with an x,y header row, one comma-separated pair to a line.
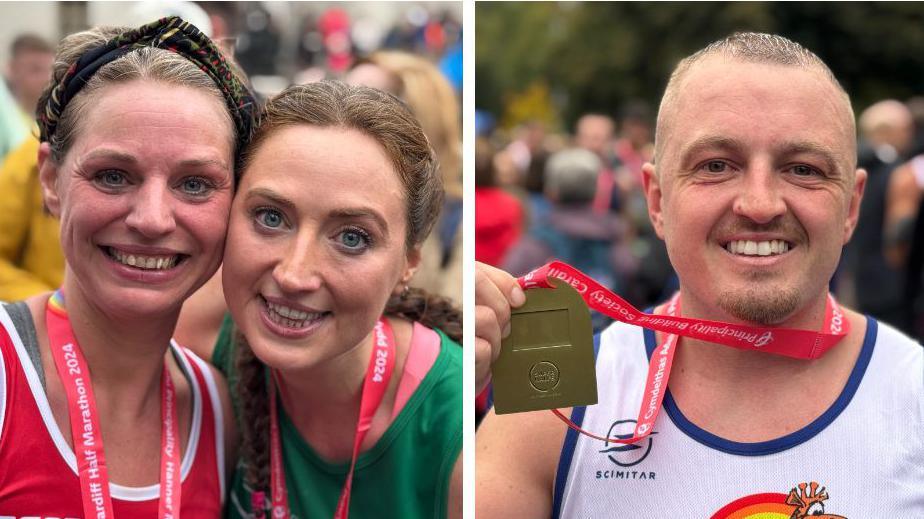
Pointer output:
x,y
387,120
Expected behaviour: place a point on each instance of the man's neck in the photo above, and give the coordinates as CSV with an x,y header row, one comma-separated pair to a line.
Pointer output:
x,y
721,388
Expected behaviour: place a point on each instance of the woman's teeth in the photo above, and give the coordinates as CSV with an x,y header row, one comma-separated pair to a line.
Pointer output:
x,y
144,262
291,317
757,248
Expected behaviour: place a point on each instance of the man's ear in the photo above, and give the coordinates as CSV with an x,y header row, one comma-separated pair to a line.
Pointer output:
x,y
853,209
48,176
652,186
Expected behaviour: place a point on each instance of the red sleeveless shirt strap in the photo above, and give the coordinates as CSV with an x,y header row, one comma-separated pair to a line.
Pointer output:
x,y
208,471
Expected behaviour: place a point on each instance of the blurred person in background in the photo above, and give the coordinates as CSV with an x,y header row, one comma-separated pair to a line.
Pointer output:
x,y
654,277
258,43
334,26
635,145
595,132
528,154
573,233
432,100
527,144
904,183
498,214
31,260
904,226
916,106
886,131
26,75
29,70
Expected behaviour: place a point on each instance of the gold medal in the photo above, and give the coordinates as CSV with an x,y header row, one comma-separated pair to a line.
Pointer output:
x,y
547,361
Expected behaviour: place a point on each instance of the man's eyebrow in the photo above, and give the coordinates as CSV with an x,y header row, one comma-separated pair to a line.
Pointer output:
x,y
710,142
813,148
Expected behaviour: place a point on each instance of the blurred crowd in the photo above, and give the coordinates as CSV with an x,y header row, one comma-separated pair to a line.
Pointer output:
x,y
418,58
577,196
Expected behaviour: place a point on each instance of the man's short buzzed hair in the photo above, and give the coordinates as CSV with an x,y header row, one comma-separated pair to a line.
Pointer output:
x,y
749,47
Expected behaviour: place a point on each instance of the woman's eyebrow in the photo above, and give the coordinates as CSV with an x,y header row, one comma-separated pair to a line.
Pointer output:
x,y
269,194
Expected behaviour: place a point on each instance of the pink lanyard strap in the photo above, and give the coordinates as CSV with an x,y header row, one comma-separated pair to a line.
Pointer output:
x,y
802,344
378,373
85,429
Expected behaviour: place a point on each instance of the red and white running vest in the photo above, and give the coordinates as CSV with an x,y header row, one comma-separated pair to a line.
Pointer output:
x,y
38,469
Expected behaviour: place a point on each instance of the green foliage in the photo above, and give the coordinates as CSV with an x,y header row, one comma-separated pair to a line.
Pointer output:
x,y
596,56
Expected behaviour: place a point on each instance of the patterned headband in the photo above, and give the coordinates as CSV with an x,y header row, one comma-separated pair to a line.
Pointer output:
x,y
170,33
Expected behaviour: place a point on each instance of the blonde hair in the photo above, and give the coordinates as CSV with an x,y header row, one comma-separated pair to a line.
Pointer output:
x,y
430,96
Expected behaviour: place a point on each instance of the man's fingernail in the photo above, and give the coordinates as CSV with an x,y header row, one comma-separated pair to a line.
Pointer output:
x,y
506,331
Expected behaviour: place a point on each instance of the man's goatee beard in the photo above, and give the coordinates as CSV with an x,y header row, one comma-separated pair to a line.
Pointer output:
x,y
768,308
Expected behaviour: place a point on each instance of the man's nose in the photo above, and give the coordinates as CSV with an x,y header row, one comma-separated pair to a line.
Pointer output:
x,y
760,198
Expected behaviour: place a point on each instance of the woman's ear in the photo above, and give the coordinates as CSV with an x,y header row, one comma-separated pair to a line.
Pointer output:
x,y
48,176
410,268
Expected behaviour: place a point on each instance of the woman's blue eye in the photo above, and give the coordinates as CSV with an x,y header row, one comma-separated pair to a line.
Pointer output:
x,y
111,178
354,239
270,218
195,186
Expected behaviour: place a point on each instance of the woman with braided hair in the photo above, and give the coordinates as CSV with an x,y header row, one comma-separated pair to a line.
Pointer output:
x,y
348,382
101,414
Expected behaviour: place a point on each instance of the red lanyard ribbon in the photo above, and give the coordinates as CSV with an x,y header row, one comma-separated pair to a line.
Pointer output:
x,y
378,373
85,429
802,344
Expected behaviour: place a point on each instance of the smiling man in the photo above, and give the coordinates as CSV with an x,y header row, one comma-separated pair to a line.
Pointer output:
x,y
755,191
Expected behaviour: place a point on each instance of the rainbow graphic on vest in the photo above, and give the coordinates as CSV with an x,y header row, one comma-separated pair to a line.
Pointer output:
x,y
806,500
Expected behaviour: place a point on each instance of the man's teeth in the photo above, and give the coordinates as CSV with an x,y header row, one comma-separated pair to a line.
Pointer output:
x,y
757,248
144,262
291,317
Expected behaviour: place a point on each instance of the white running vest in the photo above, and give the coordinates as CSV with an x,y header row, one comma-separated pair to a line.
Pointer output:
x,y
866,450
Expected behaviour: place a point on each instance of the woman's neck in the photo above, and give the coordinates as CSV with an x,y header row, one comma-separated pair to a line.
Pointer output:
x,y
324,402
125,356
